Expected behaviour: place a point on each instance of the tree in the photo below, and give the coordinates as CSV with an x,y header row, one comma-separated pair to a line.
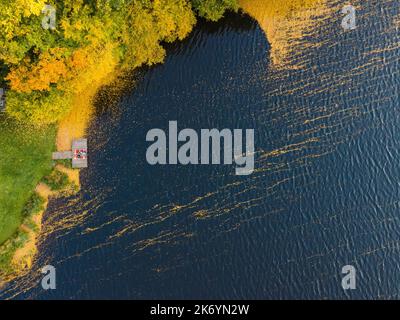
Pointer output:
x,y
214,9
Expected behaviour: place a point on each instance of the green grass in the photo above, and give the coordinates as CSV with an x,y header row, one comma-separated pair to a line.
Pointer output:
x,y
25,158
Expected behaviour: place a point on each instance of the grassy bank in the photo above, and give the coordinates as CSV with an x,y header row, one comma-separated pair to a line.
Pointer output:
x,y
25,158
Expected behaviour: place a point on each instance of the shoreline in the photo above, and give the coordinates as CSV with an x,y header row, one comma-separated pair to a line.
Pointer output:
x,y
23,257
74,125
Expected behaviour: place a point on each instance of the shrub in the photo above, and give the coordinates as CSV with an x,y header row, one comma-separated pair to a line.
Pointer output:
x,y
33,205
214,9
56,180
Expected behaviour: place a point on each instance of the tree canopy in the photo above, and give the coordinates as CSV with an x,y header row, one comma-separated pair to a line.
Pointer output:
x,y
44,67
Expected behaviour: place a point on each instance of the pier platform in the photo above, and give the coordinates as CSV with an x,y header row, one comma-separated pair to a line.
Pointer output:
x,y
79,151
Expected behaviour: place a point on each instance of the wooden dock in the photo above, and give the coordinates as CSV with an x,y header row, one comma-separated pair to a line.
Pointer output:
x,y
78,155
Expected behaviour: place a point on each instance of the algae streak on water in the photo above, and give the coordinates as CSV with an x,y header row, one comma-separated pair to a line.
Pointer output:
x,y
286,23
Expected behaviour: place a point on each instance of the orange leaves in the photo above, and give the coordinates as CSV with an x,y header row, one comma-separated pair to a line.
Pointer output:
x,y
55,67
78,60
50,69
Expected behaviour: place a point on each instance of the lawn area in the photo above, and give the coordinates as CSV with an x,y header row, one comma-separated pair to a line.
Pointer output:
x,y
25,158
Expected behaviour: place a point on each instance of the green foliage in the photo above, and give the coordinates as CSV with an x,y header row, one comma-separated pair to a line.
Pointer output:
x,y
56,180
7,250
6,253
37,106
33,206
20,25
214,9
146,24
67,163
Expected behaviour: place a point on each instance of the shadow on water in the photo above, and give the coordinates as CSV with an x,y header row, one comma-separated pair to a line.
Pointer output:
x,y
324,193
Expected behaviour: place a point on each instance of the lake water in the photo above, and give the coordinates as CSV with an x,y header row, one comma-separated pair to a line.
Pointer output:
x,y
325,192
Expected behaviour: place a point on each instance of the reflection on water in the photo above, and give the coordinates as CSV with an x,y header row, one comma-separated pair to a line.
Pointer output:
x,y
324,194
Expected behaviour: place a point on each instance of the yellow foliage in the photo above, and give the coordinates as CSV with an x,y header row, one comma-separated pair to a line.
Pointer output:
x,y
90,65
85,86
175,19
12,13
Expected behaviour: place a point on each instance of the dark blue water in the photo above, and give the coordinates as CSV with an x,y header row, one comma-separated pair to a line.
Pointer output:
x,y
325,192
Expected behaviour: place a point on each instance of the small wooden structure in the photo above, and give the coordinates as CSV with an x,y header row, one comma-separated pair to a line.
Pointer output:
x,y
78,155
2,99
